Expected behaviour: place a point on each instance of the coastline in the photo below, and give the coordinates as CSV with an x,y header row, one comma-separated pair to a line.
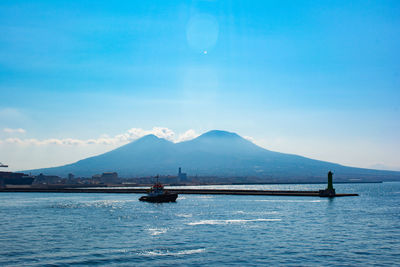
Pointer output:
x,y
175,190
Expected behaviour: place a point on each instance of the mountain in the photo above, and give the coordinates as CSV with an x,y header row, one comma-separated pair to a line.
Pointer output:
x,y
215,153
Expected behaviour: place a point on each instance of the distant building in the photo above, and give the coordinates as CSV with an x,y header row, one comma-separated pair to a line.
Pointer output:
x,y
47,179
14,178
182,176
71,179
109,178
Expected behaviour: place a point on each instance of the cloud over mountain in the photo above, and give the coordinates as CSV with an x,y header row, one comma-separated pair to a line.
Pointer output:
x,y
120,139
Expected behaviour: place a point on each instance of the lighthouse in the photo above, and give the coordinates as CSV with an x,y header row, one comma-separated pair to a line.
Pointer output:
x,y
329,191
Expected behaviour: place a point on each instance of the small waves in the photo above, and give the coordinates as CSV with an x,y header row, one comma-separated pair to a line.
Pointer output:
x,y
184,215
255,212
287,200
157,231
234,221
102,256
91,204
172,253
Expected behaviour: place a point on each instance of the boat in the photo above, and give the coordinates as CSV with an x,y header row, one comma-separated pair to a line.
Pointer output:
x,y
157,194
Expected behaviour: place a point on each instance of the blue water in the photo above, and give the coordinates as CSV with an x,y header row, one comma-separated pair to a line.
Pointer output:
x,y
39,229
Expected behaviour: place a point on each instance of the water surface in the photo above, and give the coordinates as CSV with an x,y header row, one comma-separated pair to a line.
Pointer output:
x,y
39,229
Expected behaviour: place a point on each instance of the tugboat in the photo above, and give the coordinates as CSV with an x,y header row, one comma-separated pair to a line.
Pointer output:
x,y
157,194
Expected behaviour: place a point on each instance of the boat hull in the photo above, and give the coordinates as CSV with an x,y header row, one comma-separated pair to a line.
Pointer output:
x,y
160,198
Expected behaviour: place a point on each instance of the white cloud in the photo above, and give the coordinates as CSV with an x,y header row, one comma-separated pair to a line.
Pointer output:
x,y
188,135
14,141
120,139
18,130
136,133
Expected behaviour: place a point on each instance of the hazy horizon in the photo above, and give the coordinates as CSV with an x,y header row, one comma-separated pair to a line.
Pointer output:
x,y
134,134
320,80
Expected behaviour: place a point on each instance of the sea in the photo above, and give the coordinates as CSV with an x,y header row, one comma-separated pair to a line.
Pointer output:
x,y
78,229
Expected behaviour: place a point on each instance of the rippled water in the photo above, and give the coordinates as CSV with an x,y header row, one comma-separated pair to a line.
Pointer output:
x,y
39,229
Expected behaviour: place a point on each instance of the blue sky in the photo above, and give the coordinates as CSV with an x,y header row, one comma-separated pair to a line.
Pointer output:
x,y
319,79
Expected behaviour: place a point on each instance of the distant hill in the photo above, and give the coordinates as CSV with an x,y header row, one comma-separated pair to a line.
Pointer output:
x,y
217,154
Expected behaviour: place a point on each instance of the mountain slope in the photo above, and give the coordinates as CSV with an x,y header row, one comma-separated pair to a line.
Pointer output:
x,y
215,153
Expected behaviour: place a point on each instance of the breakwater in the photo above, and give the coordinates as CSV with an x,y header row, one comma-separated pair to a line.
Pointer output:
x,y
178,191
